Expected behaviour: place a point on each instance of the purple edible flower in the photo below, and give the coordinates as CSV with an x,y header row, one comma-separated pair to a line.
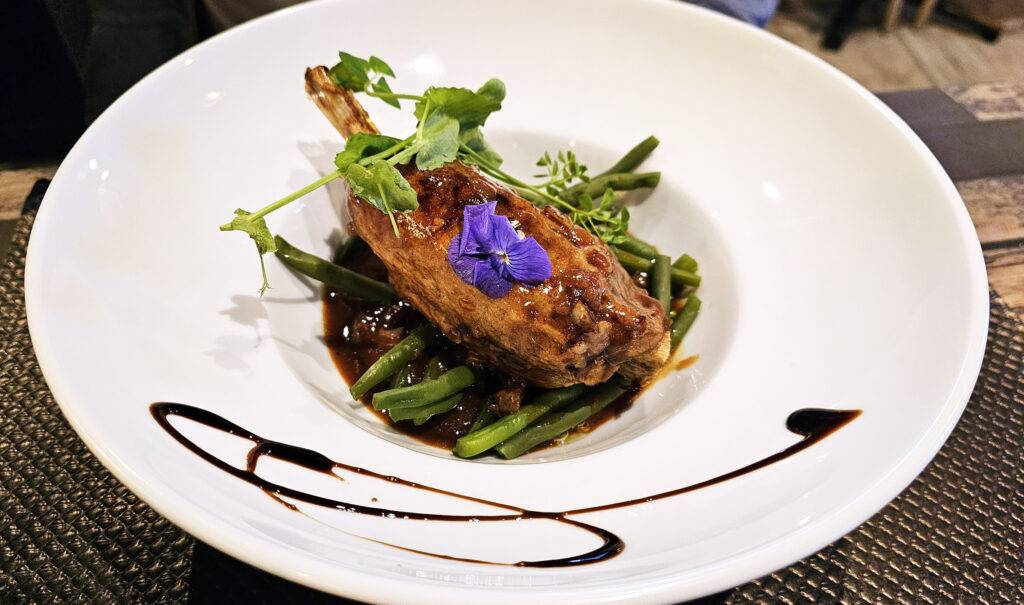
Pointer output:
x,y
491,256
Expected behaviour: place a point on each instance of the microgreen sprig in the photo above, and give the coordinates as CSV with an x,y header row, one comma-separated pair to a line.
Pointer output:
x,y
562,170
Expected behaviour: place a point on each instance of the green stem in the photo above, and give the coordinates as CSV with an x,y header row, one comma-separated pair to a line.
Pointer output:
x,y
387,208
291,197
393,95
387,152
500,174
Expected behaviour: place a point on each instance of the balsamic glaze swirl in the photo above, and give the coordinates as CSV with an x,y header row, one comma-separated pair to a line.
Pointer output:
x,y
812,424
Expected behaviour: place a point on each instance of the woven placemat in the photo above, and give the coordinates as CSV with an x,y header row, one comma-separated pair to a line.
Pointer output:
x,y
70,532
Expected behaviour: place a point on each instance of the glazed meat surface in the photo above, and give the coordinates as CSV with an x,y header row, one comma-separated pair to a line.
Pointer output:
x,y
586,322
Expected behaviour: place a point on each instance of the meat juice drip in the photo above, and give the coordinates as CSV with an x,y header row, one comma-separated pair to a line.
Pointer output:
x,y
812,424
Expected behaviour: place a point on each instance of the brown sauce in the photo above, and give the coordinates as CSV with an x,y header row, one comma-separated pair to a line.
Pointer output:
x,y
686,362
357,333
812,424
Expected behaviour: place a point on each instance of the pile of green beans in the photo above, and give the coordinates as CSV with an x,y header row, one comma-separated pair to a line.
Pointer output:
x,y
438,392
634,263
564,420
636,255
395,359
544,418
479,441
428,391
423,412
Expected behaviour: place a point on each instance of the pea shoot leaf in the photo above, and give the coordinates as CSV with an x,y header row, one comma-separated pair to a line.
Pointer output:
x,y
381,86
474,139
440,142
471,109
257,229
362,145
378,65
493,89
350,72
382,186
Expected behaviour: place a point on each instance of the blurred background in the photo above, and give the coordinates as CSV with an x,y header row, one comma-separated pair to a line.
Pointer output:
x,y
65,61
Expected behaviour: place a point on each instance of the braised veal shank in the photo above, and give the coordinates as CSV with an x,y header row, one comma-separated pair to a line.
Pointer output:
x,y
586,322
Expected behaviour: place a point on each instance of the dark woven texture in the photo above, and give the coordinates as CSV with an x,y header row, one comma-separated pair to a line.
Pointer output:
x,y
956,535
69,532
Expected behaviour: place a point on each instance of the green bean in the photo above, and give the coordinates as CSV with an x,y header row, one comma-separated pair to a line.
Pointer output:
x,y
635,263
686,263
661,280
483,439
483,418
638,247
630,261
404,377
546,429
445,405
434,368
392,361
553,425
344,280
420,413
347,248
620,181
445,385
681,324
634,157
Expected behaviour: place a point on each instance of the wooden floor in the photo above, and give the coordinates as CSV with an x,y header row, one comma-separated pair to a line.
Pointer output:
x,y
905,58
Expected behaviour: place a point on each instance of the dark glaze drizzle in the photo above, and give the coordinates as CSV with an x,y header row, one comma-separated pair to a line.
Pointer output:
x,y
813,424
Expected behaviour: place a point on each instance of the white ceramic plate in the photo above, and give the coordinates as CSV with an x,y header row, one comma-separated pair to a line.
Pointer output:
x,y
841,271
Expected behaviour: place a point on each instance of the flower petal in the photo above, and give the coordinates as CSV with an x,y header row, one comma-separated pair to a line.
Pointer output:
x,y
491,279
477,231
503,234
528,262
464,266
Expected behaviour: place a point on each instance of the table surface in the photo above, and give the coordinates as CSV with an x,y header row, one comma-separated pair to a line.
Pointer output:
x,y
977,133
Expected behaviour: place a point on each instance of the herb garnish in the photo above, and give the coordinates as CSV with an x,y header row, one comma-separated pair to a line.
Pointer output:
x,y
448,128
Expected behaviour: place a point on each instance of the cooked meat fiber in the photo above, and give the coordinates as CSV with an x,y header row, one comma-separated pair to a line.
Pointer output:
x,y
585,323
